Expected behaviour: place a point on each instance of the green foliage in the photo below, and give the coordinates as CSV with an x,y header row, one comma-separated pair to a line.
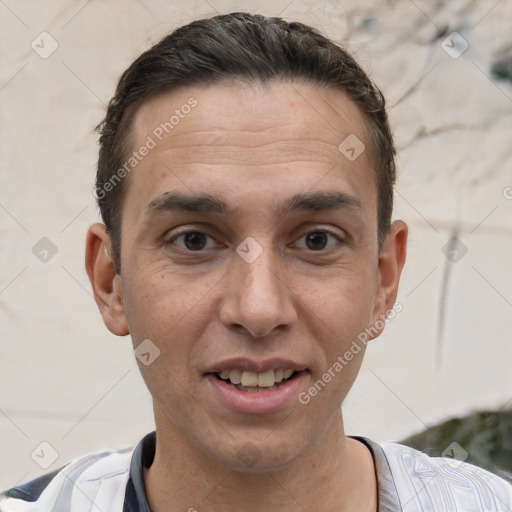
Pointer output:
x,y
502,70
485,436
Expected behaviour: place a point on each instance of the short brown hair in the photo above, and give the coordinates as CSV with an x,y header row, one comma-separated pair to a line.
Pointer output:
x,y
237,46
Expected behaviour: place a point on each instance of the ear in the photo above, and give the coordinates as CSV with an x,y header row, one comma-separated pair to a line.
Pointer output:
x,y
391,262
106,284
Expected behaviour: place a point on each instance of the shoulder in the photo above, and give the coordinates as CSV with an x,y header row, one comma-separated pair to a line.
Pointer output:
x,y
443,484
99,478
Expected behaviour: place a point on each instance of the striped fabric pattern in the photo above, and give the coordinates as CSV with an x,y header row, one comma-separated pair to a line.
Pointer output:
x,y
408,481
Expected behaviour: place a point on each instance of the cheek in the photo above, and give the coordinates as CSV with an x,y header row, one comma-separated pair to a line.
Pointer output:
x,y
336,313
158,291
161,306
344,301
173,316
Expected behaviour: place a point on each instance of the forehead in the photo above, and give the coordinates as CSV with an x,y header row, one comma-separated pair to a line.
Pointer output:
x,y
250,114
235,138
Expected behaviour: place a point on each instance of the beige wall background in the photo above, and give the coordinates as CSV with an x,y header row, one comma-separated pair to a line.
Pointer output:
x,y
68,383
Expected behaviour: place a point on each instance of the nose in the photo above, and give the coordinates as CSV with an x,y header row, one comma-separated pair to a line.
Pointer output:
x,y
257,299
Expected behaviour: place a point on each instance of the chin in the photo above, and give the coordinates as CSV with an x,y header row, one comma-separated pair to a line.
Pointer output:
x,y
259,456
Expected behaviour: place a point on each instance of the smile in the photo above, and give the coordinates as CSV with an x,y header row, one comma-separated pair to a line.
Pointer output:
x,y
255,398
253,382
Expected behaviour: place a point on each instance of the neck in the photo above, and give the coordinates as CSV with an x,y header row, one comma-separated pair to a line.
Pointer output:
x,y
338,474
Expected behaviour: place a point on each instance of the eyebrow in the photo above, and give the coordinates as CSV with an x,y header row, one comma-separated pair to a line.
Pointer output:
x,y
206,203
319,201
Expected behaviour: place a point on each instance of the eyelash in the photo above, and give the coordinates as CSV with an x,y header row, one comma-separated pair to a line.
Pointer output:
x,y
190,232
193,231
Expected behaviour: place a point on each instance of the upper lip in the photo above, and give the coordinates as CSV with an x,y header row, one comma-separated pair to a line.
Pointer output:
x,y
251,365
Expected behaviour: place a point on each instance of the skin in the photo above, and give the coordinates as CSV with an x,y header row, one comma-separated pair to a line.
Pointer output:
x,y
254,148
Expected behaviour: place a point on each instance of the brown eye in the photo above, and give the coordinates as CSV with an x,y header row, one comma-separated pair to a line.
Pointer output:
x,y
317,240
194,241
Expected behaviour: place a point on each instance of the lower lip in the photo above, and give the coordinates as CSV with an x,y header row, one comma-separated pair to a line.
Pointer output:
x,y
261,402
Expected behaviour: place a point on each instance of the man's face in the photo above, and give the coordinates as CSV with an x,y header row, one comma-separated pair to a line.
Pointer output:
x,y
249,244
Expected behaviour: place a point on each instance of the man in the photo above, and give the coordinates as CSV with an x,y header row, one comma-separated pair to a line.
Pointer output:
x,y
245,181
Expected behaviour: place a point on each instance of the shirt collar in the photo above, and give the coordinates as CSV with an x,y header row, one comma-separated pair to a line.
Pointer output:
x,y
144,454
387,494
135,499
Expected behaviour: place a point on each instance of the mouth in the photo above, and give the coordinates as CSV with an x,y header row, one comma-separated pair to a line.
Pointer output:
x,y
251,387
256,382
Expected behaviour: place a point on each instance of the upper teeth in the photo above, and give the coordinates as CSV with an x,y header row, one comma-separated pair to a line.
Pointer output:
x,y
264,380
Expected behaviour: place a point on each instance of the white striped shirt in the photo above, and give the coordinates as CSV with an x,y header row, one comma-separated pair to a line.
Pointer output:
x,y
408,481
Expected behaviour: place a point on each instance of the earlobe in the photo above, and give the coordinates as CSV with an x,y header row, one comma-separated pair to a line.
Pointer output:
x,y
104,280
391,262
